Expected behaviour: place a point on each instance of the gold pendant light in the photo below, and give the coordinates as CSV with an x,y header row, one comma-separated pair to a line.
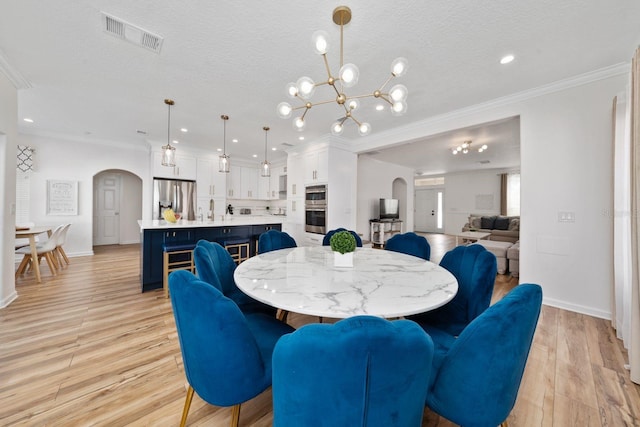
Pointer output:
x,y
223,162
169,151
266,166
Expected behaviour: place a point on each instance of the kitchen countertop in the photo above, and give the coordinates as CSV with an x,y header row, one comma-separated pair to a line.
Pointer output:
x,y
229,220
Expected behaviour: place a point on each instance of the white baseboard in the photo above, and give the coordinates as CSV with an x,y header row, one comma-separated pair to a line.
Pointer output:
x,y
577,308
9,299
131,242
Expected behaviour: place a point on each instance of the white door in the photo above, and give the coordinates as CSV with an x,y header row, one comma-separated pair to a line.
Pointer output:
x,y
427,210
107,210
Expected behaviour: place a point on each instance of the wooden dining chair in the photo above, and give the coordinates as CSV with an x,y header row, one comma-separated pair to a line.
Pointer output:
x,y
45,249
59,251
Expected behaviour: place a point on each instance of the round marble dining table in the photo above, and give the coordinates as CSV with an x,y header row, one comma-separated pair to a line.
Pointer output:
x,y
381,283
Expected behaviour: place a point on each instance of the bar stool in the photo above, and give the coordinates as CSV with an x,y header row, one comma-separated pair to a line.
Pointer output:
x,y
238,248
176,256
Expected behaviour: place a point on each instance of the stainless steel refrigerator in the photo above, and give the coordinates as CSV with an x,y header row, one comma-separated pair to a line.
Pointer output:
x,y
177,194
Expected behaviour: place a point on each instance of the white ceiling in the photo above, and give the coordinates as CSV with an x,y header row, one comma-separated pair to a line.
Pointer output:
x,y
235,58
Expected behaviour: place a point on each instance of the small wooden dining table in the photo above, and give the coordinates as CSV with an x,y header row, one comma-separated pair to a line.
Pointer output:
x,y
31,234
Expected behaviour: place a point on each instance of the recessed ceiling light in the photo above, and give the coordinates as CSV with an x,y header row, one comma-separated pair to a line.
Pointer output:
x,y
218,149
28,120
175,141
301,138
507,59
274,149
379,107
185,130
234,140
255,155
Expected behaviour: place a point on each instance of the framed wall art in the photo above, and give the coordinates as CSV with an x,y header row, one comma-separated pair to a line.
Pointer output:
x,y
62,197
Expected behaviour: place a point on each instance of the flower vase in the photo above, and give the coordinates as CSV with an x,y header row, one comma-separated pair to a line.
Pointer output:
x,y
343,260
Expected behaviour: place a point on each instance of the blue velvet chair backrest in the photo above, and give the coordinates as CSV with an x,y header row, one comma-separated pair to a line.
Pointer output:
x,y
327,237
409,243
478,380
361,371
215,266
273,240
222,360
475,269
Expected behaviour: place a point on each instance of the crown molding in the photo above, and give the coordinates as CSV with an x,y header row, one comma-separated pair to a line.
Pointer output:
x,y
382,139
131,145
15,77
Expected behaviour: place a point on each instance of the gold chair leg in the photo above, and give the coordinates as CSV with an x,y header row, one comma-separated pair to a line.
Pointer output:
x,y
282,315
165,274
235,415
187,405
504,424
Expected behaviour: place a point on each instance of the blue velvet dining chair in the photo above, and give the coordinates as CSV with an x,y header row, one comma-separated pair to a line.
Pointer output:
x,y
273,240
360,371
226,353
215,266
475,269
411,244
327,237
476,376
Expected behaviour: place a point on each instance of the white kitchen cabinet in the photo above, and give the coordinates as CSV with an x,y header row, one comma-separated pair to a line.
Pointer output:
x,y
274,182
325,163
211,183
185,167
295,176
234,178
316,166
248,182
264,187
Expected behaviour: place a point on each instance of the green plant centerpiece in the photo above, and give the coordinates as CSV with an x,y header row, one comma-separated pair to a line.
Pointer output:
x,y
343,244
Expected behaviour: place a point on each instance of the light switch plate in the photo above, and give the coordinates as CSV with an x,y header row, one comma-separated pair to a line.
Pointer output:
x,y
564,216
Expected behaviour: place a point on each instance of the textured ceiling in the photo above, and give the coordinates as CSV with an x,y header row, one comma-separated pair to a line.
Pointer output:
x,y
235,58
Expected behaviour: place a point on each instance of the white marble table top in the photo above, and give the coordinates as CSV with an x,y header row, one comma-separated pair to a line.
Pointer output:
x,y
381,283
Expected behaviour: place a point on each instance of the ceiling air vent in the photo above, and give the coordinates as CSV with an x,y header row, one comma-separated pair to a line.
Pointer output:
x,y
131,33
286,144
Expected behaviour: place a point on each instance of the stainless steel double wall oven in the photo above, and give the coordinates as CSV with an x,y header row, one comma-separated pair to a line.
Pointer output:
x,y
315,209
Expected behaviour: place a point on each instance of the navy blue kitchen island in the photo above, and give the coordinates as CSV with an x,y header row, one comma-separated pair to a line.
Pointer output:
x,y
155,233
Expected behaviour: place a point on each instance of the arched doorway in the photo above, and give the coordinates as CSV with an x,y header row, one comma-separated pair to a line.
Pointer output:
x,y
117,205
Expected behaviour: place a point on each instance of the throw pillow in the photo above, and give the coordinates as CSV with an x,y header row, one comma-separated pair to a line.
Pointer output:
x,y
501,223
514,224
487,222
474,222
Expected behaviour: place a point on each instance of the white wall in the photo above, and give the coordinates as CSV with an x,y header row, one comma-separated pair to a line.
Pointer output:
x,y
566,165
57,158
375,181
460,191
8,143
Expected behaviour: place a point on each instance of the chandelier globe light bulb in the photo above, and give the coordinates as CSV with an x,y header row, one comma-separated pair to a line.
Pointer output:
x,y
337,128
320,41
364,129
284,110
399,67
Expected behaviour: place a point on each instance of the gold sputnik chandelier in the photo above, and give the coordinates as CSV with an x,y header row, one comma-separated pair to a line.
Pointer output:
x,y
347,77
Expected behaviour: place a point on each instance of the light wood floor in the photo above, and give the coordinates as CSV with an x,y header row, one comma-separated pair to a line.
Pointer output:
x,y
87,348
